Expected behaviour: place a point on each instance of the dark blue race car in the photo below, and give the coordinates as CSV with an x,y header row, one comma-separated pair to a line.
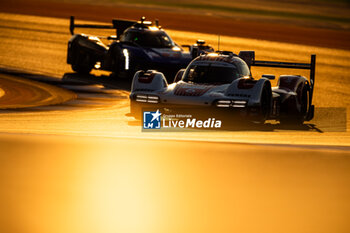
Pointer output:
x,y
137,45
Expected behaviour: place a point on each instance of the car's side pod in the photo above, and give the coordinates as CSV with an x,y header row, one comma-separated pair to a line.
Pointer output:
x,y
150,80
253,93
88,44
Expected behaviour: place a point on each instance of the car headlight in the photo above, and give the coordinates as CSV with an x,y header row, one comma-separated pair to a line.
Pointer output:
x,y
223,103
239,103
147,98
231,103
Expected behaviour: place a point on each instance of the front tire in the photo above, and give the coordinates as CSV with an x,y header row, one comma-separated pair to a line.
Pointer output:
x,y
265,105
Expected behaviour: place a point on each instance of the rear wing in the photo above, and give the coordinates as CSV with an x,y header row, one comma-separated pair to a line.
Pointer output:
x,y
119,25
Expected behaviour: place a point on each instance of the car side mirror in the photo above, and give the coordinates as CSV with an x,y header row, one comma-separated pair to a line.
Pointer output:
x,y
179,75
268,76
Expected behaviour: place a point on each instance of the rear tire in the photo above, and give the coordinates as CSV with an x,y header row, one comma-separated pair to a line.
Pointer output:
x,y
297,106
83,63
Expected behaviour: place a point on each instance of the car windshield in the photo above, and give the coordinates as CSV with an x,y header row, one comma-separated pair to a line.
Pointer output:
x,y
146,38
211,74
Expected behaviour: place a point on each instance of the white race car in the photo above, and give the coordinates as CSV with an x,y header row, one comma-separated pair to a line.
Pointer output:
x,y
222,82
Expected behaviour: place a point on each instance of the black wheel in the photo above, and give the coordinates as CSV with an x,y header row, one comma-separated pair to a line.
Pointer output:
x,y
265,105
83,63
265,102
297,106
114,57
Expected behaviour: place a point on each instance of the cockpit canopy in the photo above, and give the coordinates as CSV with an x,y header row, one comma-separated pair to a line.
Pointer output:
x,y
148,38
214,72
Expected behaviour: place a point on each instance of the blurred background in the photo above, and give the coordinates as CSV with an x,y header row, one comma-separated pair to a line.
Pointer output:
x,y
84,166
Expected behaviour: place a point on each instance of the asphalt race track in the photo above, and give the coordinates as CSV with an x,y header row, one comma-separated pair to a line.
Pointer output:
x,y
85,166
23,93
